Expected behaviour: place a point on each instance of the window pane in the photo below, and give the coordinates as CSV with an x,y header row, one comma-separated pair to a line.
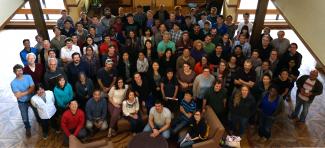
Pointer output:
x,y
248,4
54,4
252,4
241,19
54,16
19,17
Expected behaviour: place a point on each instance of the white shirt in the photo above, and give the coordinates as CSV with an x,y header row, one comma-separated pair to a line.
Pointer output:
x,y
67,53
118,95
249,24
45,110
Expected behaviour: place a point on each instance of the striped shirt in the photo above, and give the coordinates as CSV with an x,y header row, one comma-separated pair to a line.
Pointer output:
x,y
189,107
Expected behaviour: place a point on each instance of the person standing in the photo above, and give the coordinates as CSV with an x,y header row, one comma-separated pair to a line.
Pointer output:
x,y
43,101
308,87
23,88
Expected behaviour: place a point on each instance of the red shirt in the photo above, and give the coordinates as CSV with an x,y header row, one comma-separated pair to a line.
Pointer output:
x,y
103,49
71,121
198,68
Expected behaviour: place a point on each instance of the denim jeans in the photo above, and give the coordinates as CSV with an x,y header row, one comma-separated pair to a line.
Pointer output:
x,y
242,121
179,124
305,107
23,107
165,134
187,144
265,127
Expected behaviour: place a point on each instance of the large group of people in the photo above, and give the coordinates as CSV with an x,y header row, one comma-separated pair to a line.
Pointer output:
x,y
166,65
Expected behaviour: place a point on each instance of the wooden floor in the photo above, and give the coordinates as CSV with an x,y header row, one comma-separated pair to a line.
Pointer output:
x,y
285,133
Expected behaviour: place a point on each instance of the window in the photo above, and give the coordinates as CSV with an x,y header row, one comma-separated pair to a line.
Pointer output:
x,y
48,4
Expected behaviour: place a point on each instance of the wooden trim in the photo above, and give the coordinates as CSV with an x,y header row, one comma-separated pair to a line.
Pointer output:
x,y
27,25
8,19
299,36
45,11
253,11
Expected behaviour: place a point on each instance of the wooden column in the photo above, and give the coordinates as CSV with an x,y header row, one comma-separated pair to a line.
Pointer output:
x,y
35,6
259,22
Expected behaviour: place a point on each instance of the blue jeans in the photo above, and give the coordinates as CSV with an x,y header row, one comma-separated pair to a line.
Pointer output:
x,y
23,107
305,107
242,121
165,134
187,144
179,124
265,125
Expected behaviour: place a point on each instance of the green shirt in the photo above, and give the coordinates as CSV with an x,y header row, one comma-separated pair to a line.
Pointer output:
x,y
162,46
216,99
209,48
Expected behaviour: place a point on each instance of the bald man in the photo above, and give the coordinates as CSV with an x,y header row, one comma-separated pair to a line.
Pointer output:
x,y
308,87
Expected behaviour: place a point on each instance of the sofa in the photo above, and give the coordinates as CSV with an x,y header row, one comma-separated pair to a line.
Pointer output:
x,y
216,130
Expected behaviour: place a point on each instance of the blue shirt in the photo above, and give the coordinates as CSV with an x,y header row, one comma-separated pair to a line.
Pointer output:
x,y
269,107
189,107
22,85
24,52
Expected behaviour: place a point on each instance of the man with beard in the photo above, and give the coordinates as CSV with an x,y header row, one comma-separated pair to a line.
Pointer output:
x,y
108,19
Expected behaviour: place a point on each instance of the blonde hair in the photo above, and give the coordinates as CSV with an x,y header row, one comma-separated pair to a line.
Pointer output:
x,y
238,96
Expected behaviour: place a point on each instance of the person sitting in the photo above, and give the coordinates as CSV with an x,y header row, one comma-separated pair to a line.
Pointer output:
x,y
96,112
197,132
115,97
187,109
72,122
130,108
43,101
159,121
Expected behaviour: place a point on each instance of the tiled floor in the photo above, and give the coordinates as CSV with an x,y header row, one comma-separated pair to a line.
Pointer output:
x,y
12,133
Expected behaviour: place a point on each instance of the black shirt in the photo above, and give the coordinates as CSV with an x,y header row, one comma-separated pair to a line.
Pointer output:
x,y
216,100
241,74
282,85
106,76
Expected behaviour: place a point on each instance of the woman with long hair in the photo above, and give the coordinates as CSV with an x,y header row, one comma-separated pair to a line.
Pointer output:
x,y
150,52
198,68
90,42
115,96
167,61
92,61
130,108
242,107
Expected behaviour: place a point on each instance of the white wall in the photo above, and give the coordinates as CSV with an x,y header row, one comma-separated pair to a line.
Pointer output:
x,y
307,18
7,8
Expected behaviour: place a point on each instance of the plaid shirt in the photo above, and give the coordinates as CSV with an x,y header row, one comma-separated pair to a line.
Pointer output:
x,y
176,35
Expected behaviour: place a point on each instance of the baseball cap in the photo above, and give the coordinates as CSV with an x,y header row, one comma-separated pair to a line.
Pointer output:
x,y
109,61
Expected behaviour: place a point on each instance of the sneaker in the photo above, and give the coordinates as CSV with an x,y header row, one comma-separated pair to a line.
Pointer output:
x,y
28,133
45,136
